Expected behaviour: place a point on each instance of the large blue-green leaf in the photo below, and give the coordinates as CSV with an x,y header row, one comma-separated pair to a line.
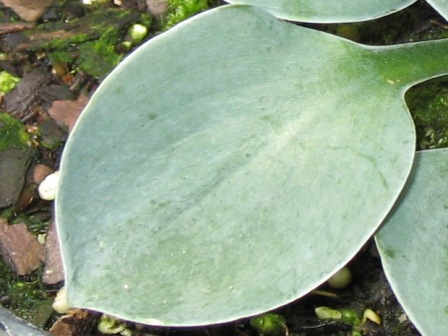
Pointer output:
x,y
327,11
231,165
413,244
330,11
441,6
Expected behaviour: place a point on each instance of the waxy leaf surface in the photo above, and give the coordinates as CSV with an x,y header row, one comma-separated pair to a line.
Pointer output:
x,y
327,11
330,11
440,6
231,165
413,244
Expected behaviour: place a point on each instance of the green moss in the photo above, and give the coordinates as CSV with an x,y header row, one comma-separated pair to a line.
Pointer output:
x,y
428,103
110,36
87,28
24,295
389,29
269,325
146,19
12,133
60,56
35,224
7,82
413,24
98,57
8,213
180,10
63,43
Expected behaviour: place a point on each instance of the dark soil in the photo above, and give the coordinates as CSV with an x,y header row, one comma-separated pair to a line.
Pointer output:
x,y
58,57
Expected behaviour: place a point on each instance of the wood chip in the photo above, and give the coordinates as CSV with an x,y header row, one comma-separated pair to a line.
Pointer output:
x,y
13,166
54,270
76,322
19,248
66,112
11,27
28,10
18,100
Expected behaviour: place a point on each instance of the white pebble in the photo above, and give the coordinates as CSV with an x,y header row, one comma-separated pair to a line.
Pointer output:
x,y
47,188
60,303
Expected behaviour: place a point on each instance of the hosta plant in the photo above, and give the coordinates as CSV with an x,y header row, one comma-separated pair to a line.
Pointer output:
x,y
231,165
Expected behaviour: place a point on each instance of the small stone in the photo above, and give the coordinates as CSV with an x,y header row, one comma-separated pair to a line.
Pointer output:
x,y
13,165
157,7
60,303
40,172
47,188
341,278
54,269
28,10
19,248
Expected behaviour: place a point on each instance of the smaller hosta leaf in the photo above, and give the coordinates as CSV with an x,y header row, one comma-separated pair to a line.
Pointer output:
x,y
440,6
413,244
327,11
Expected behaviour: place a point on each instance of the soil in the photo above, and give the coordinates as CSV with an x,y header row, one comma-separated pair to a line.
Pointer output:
x,y
53,56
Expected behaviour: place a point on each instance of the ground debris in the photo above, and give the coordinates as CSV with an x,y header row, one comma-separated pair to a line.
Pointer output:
x,y
28,10
157,7
17,101
54,270
76,322
66,112
12,27
40,172
13,166
19,248
61,35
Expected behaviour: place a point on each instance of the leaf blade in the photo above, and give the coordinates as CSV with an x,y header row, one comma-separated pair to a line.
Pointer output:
x,y
276,147
321,11
413,244
441,6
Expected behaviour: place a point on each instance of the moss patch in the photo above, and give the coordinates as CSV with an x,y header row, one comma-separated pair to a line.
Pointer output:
x,y
180,10
98,57
428,103
7,82
12,133
24,296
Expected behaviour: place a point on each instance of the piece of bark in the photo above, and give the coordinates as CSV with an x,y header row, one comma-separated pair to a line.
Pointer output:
x,y
12,27
13,165
54,270
19,248
76,322
54,92
28,10
51,133
66,112
18,100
